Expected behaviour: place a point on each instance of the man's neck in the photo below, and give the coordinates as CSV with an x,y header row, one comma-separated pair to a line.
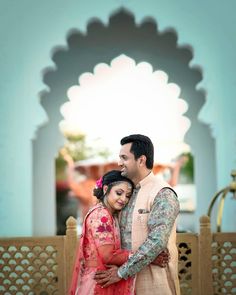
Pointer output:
x,y
141,176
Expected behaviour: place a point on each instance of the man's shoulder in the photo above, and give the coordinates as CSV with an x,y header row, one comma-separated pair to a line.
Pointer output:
x,y
160,188
157,184
167,194
169,190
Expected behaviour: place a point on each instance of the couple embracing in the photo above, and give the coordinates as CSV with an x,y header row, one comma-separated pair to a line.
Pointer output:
x,y
128,243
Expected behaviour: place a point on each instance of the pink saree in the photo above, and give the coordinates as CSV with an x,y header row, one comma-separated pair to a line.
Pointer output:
x,y
99,229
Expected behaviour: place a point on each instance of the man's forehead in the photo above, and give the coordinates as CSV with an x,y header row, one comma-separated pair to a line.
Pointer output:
x,y
125,148
125,151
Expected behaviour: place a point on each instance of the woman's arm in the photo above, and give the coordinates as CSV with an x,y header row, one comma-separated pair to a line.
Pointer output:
x,y
103,229
110,256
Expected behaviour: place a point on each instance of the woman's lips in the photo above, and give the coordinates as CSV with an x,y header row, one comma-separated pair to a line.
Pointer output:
x,y
121,204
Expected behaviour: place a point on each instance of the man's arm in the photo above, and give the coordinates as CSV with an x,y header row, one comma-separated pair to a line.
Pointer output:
x,y
160,223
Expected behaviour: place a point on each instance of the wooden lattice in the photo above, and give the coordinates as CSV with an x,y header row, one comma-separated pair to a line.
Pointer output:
x,y
31,266
188,256
224,263
43,266
185,268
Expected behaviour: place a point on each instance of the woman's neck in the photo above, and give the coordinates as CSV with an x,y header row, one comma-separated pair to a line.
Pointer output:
x,y
107,205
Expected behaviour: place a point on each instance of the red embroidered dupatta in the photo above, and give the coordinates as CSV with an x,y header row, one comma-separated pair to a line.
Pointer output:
x,y
123,287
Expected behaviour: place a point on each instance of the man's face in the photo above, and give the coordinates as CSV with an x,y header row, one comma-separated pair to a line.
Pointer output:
x,y
127,162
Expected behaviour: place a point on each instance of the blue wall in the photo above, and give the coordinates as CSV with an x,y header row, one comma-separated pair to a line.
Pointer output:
x,y
29,30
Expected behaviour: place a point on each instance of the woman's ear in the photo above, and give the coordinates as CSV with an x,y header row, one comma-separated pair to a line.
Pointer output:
x,y
105,187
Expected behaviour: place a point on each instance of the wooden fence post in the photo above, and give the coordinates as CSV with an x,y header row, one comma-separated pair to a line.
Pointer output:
x,y
71,240
205,255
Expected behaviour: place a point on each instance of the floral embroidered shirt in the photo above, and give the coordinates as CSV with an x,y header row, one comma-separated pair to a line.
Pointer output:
x,y
161,219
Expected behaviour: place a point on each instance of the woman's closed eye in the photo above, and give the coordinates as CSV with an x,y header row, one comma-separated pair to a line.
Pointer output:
x,y
119,193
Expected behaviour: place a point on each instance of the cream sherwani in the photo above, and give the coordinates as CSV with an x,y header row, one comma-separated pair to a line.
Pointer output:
x,y
149,222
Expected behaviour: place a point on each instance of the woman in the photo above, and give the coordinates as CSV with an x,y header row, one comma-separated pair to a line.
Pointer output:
x,y
100,240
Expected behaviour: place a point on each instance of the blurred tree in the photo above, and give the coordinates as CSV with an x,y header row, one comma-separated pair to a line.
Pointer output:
x,y
77,147
187,171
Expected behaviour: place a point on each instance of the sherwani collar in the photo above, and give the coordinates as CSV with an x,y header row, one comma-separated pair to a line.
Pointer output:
x,y
145,180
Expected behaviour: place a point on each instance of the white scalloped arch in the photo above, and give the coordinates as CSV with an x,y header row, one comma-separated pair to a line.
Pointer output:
x,y
101,44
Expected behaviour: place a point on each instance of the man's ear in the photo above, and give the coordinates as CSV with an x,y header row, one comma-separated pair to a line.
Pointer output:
x,y
142,160
105,187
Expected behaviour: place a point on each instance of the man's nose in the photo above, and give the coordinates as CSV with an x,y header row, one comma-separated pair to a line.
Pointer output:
x,y
120,162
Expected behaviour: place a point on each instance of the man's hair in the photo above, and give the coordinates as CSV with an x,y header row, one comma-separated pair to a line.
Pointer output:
x,y
141,145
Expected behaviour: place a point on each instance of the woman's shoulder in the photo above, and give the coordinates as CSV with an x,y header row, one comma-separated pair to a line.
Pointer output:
x,y
98,211
99,220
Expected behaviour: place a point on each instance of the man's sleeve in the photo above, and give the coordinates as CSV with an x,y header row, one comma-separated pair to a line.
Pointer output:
x,y
160,223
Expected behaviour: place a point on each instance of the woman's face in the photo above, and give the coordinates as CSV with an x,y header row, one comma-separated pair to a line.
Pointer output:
x,y
118,196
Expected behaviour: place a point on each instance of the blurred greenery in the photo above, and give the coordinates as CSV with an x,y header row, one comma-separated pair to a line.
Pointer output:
x,y
77,147
187,170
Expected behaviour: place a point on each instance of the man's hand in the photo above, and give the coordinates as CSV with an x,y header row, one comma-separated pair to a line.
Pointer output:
x,y
162,259
107,277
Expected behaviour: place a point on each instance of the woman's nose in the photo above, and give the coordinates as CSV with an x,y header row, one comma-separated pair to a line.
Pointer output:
x,y
123,197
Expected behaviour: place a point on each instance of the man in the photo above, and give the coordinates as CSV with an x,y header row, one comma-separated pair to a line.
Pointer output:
x,y
147,223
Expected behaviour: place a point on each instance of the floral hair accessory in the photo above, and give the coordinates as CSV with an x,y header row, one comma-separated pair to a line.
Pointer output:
x,y
99,183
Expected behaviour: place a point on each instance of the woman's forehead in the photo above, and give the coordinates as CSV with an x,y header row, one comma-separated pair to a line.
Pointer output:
x,y
123,185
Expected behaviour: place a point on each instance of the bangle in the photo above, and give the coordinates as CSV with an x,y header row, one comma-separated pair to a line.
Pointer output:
x,y
119,275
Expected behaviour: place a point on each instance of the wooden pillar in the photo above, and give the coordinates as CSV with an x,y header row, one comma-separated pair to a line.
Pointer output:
x,y
205,254
71,241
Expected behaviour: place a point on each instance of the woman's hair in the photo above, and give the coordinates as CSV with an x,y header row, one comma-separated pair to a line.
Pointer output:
x,y
140,145
110,179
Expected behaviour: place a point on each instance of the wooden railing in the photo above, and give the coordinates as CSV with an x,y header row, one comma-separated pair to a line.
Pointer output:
x,y
43,265
38,265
